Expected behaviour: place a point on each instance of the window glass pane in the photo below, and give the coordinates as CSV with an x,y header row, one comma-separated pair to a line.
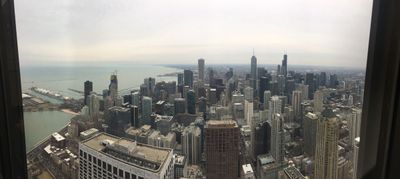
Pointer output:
x,y
274,83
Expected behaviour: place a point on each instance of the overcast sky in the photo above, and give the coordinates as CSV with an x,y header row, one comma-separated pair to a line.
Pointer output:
x,y
312,32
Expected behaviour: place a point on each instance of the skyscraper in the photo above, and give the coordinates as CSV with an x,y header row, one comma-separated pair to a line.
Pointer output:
x,y
191,143
296,103
113,87
191,102
284,65
188,78
310,129
253,74
222,149
146,110
267,96
180,106
135,117
94,105
326,152
248,111
248,94
275,106
201,69
88,87
318,101
310,82
277,140
263,86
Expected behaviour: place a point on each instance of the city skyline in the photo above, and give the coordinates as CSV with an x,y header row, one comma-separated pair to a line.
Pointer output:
x,y
321,33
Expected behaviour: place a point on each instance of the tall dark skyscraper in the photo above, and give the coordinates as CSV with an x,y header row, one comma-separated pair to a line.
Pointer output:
x,y
201,69
253,74
322,79
188,78
88,87
222,149
191,102
135,117
211,77
284,65
311,85
113,87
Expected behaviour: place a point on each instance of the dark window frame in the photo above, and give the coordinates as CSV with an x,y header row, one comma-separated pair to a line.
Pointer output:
x,y
380,120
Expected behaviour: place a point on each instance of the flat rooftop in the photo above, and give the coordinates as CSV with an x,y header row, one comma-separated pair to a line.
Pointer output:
x,y
221,124
126,150
293,173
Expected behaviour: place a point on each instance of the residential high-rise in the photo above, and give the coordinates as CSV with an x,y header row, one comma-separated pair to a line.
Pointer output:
x,y
201,69
88,87
309,133
253,74
326,151
106,156
354,124
318,101
222,149
188,78
284,65
146,110
191,102
180,78
296,103
277,140
191,144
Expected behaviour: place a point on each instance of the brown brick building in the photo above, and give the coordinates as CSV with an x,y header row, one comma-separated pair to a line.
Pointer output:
x,y
222,149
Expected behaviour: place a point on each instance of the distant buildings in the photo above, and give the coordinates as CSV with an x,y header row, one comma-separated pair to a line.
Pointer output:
x,y
147,103
106,156
222,149
188,78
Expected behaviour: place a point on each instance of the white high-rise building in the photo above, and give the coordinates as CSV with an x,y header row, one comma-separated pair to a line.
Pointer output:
x,y
318,101
354,124
267,96
248,112
326,152
191,144
94,105
296,103
248,94
277,137
304,91
105,156
275,106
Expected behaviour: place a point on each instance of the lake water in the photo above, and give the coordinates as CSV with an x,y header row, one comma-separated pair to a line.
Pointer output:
x,y
39,125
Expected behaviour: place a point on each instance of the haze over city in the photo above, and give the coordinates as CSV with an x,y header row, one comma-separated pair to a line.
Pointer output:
x,y
325,33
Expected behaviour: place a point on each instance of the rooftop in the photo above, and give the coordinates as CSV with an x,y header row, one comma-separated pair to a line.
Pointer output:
x,y
137,154
247,168
221,124
293,173
57,136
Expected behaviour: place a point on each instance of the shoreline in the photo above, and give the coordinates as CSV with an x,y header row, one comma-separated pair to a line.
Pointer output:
x,y
69,112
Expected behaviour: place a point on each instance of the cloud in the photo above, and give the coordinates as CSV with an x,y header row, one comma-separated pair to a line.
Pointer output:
x,y
311,31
